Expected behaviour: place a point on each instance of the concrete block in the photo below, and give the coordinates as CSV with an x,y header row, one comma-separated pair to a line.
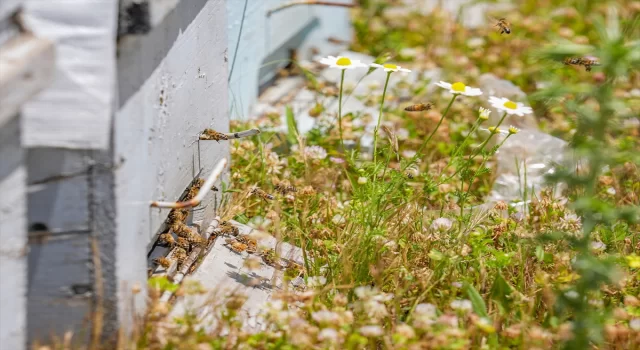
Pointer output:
x,y
60,206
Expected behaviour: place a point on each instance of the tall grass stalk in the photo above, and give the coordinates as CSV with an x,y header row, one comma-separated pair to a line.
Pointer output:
x,y
375,133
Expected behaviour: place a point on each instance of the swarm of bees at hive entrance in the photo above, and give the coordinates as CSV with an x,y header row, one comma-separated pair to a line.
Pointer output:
x,y
284,187
167,240
419,107
262,194
587,62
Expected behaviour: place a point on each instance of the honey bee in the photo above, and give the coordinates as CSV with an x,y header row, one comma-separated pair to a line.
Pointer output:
x,y
589,61
262,194
212,135
419,107
177,215
411,172
195,240
235,245
214,189
163,261
181,229
227,228
571,61
269,257
166,239
504,26
183,243
284,187
180,255
252,244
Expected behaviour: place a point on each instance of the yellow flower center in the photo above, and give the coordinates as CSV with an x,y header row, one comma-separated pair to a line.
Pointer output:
x,y
390,66
343,61
459,87
510,105
494,129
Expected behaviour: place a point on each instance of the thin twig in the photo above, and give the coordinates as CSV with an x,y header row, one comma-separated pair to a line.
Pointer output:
x,y
308,2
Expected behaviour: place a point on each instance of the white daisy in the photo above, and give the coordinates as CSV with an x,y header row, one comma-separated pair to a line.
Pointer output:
x,y
390,67
459,88
341,62
484,113
510,107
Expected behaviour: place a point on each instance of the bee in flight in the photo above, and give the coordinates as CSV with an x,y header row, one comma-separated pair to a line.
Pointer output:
x,y
503,25
419,107
262,194
587,62
284,187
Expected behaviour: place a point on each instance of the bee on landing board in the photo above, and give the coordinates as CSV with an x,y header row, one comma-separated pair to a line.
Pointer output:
x,y
166,239
183,243
235,245
180,255
163,261
195,240
419,107
180,229
176,215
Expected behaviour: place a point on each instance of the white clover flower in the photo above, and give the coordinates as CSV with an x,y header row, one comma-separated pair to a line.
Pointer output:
x,y
570,222
405,331
461,305
460,89
371,331
408,153
316,281
325,316
375,310
336,160
338,219
328,334
484,113
504,104
366,292
425,310
598,246
572,294
635,324
315,152
441,225
389,67
341,62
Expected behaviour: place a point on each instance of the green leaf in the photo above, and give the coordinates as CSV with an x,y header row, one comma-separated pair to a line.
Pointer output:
x,y
436,255
292,128
501,292
479,307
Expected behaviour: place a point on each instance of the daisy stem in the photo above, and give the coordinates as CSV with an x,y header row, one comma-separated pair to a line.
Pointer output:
x,y
340,110
481,148
461,145
424,143
375,132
